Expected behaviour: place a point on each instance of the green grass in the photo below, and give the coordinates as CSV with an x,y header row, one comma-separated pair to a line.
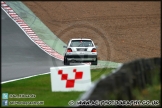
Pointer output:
x,y
151,92
41,87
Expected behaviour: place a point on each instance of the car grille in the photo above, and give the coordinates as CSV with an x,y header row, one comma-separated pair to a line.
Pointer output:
x,y
81,49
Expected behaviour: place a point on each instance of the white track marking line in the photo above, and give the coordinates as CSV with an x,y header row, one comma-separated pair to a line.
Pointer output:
x,y
23,78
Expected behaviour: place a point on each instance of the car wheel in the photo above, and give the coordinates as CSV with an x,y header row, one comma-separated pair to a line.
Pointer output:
x,y
67,62
64,60
95,62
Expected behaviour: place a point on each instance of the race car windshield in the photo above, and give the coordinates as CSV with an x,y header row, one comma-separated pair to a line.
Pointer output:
x,y
81,43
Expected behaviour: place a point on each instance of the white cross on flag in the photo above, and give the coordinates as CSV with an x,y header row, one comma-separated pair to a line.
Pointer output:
x,y
70,78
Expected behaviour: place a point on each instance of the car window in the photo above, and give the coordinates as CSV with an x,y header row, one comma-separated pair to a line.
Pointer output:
x,y
81,43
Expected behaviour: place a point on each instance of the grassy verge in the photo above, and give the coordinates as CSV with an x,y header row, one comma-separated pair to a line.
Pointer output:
x,y
41,87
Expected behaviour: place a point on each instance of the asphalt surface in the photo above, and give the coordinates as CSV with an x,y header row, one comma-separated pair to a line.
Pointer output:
x,y
20,56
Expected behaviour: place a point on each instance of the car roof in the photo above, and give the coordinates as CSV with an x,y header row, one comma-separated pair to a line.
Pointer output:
x,y
80,39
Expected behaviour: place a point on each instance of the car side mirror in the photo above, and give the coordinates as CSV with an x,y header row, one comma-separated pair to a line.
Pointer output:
x,y
96,46
64,46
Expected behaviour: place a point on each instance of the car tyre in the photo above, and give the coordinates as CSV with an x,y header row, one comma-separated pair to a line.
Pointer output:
x,y
95,62
66,62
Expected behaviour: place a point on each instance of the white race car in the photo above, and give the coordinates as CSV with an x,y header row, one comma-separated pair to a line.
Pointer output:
x,y
80,50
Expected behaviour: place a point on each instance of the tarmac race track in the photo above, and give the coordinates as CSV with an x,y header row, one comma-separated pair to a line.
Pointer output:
x,y
20,56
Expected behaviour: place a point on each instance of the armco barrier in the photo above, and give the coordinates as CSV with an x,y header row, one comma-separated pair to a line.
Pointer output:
x,y
119,84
